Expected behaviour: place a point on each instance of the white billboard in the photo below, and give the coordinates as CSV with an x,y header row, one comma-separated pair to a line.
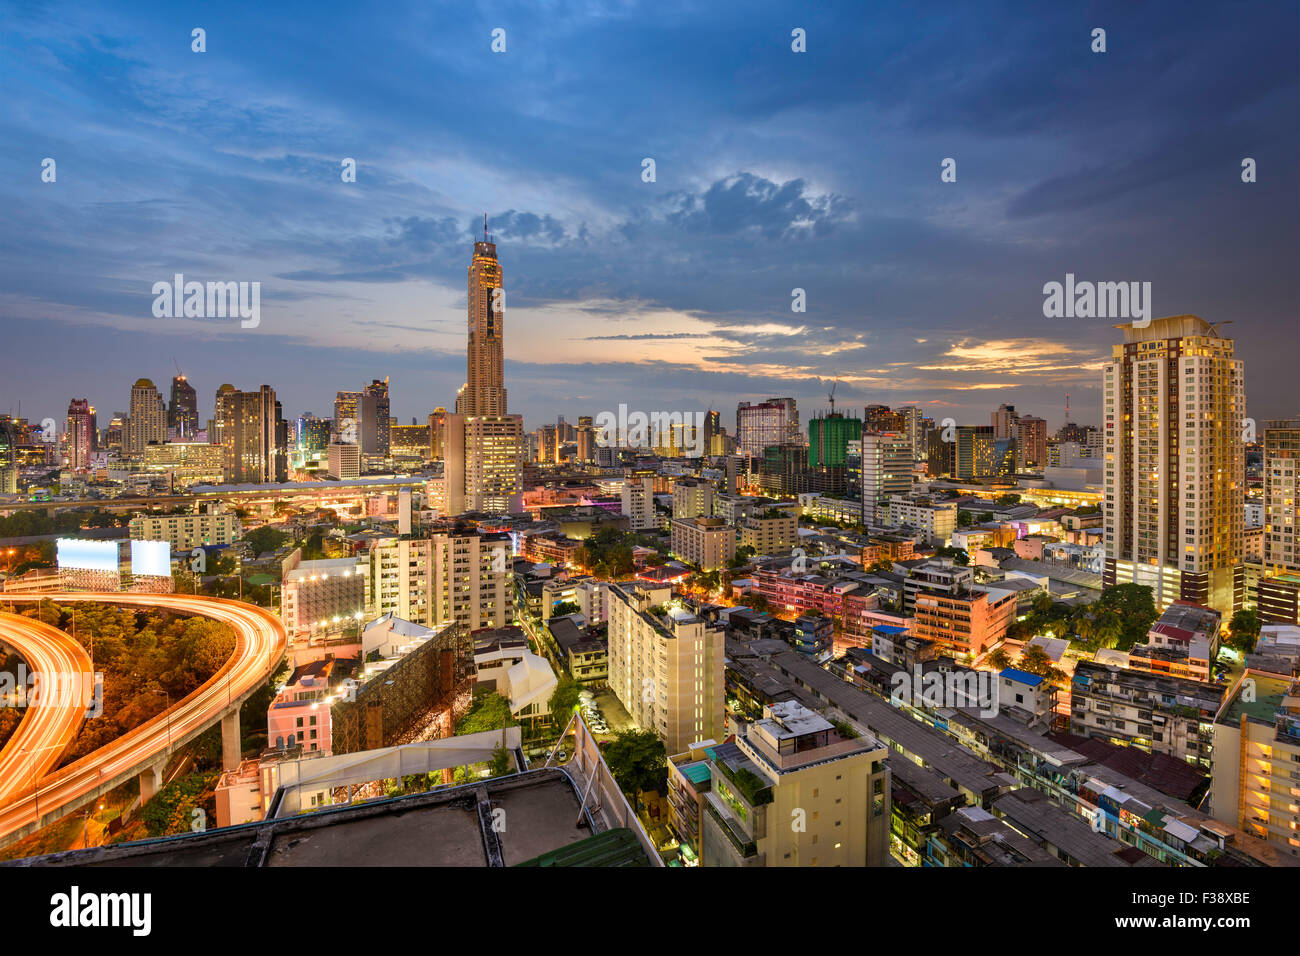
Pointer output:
x,y
151,557
75,554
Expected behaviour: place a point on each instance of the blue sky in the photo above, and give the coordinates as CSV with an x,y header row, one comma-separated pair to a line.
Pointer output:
x,y
775,170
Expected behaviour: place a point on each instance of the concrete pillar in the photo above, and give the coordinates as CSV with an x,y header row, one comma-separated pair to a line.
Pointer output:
x,y
151,779
230,749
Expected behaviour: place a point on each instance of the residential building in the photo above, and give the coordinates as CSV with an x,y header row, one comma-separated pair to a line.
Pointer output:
x,y
1174,400
450,575
886,471
80,434
762,424
796,790
1256,760
1281,466
1167,715
639,501
344,460
692,498
705,542
774,532
665,665
208,525
148,419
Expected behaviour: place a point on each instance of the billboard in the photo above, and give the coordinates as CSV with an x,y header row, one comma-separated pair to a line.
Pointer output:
x,y
75,554
151,558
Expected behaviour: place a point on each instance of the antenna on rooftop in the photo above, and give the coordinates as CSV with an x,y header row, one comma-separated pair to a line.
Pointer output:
x,y
485,238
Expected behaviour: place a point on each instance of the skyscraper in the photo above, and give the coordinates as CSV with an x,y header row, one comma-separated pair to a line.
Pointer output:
x,y
376,424
485,391
760,425
148,418
254,436
1030,434
80,434
346,412
1173,404
183,413
483,459
1281,483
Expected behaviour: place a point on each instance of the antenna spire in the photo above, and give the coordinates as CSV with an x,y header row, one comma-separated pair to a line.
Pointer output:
x,y
485,238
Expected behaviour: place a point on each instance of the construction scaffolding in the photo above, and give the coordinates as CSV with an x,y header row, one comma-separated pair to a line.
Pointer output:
x,y
388,704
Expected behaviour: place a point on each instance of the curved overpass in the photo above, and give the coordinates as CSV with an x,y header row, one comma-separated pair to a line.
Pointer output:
x,y
259,646
51,721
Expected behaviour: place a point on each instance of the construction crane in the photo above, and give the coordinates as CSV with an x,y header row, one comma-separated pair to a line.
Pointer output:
x,y
831,396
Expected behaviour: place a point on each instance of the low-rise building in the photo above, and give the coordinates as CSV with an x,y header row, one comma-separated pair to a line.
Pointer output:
x,y
1159,714
773,532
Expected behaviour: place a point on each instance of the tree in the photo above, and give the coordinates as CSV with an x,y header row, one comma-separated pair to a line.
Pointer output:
x,y
265,539
958,555
638,761
1135,609
489,711
756,602
999,659
564,699
565,607
1008,499
1244,627
965,519
502,762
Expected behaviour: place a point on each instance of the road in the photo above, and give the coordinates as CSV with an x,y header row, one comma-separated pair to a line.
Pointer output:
x,y
259,646
54,716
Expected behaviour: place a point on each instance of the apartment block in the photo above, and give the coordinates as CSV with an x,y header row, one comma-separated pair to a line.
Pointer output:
x,y
188,531
692,498
1255,782
665,665
705,542
774,532
1281,440
1173,399
796,790
447,577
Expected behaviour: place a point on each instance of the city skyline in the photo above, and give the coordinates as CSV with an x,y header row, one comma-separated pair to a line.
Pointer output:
x,y
657,294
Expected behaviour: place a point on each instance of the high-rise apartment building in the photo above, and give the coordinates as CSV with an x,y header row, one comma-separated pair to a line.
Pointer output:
x,y
1173,403
1031,442
639,501
914,429
1281,462
692,498
759,425
148,419
1004,421
254,436
446,577
183,412
80,434
666,665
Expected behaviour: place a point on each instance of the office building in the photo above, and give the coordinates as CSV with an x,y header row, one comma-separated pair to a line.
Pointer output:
x,y
183,412
254,435
376,422
1174,398
885,463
